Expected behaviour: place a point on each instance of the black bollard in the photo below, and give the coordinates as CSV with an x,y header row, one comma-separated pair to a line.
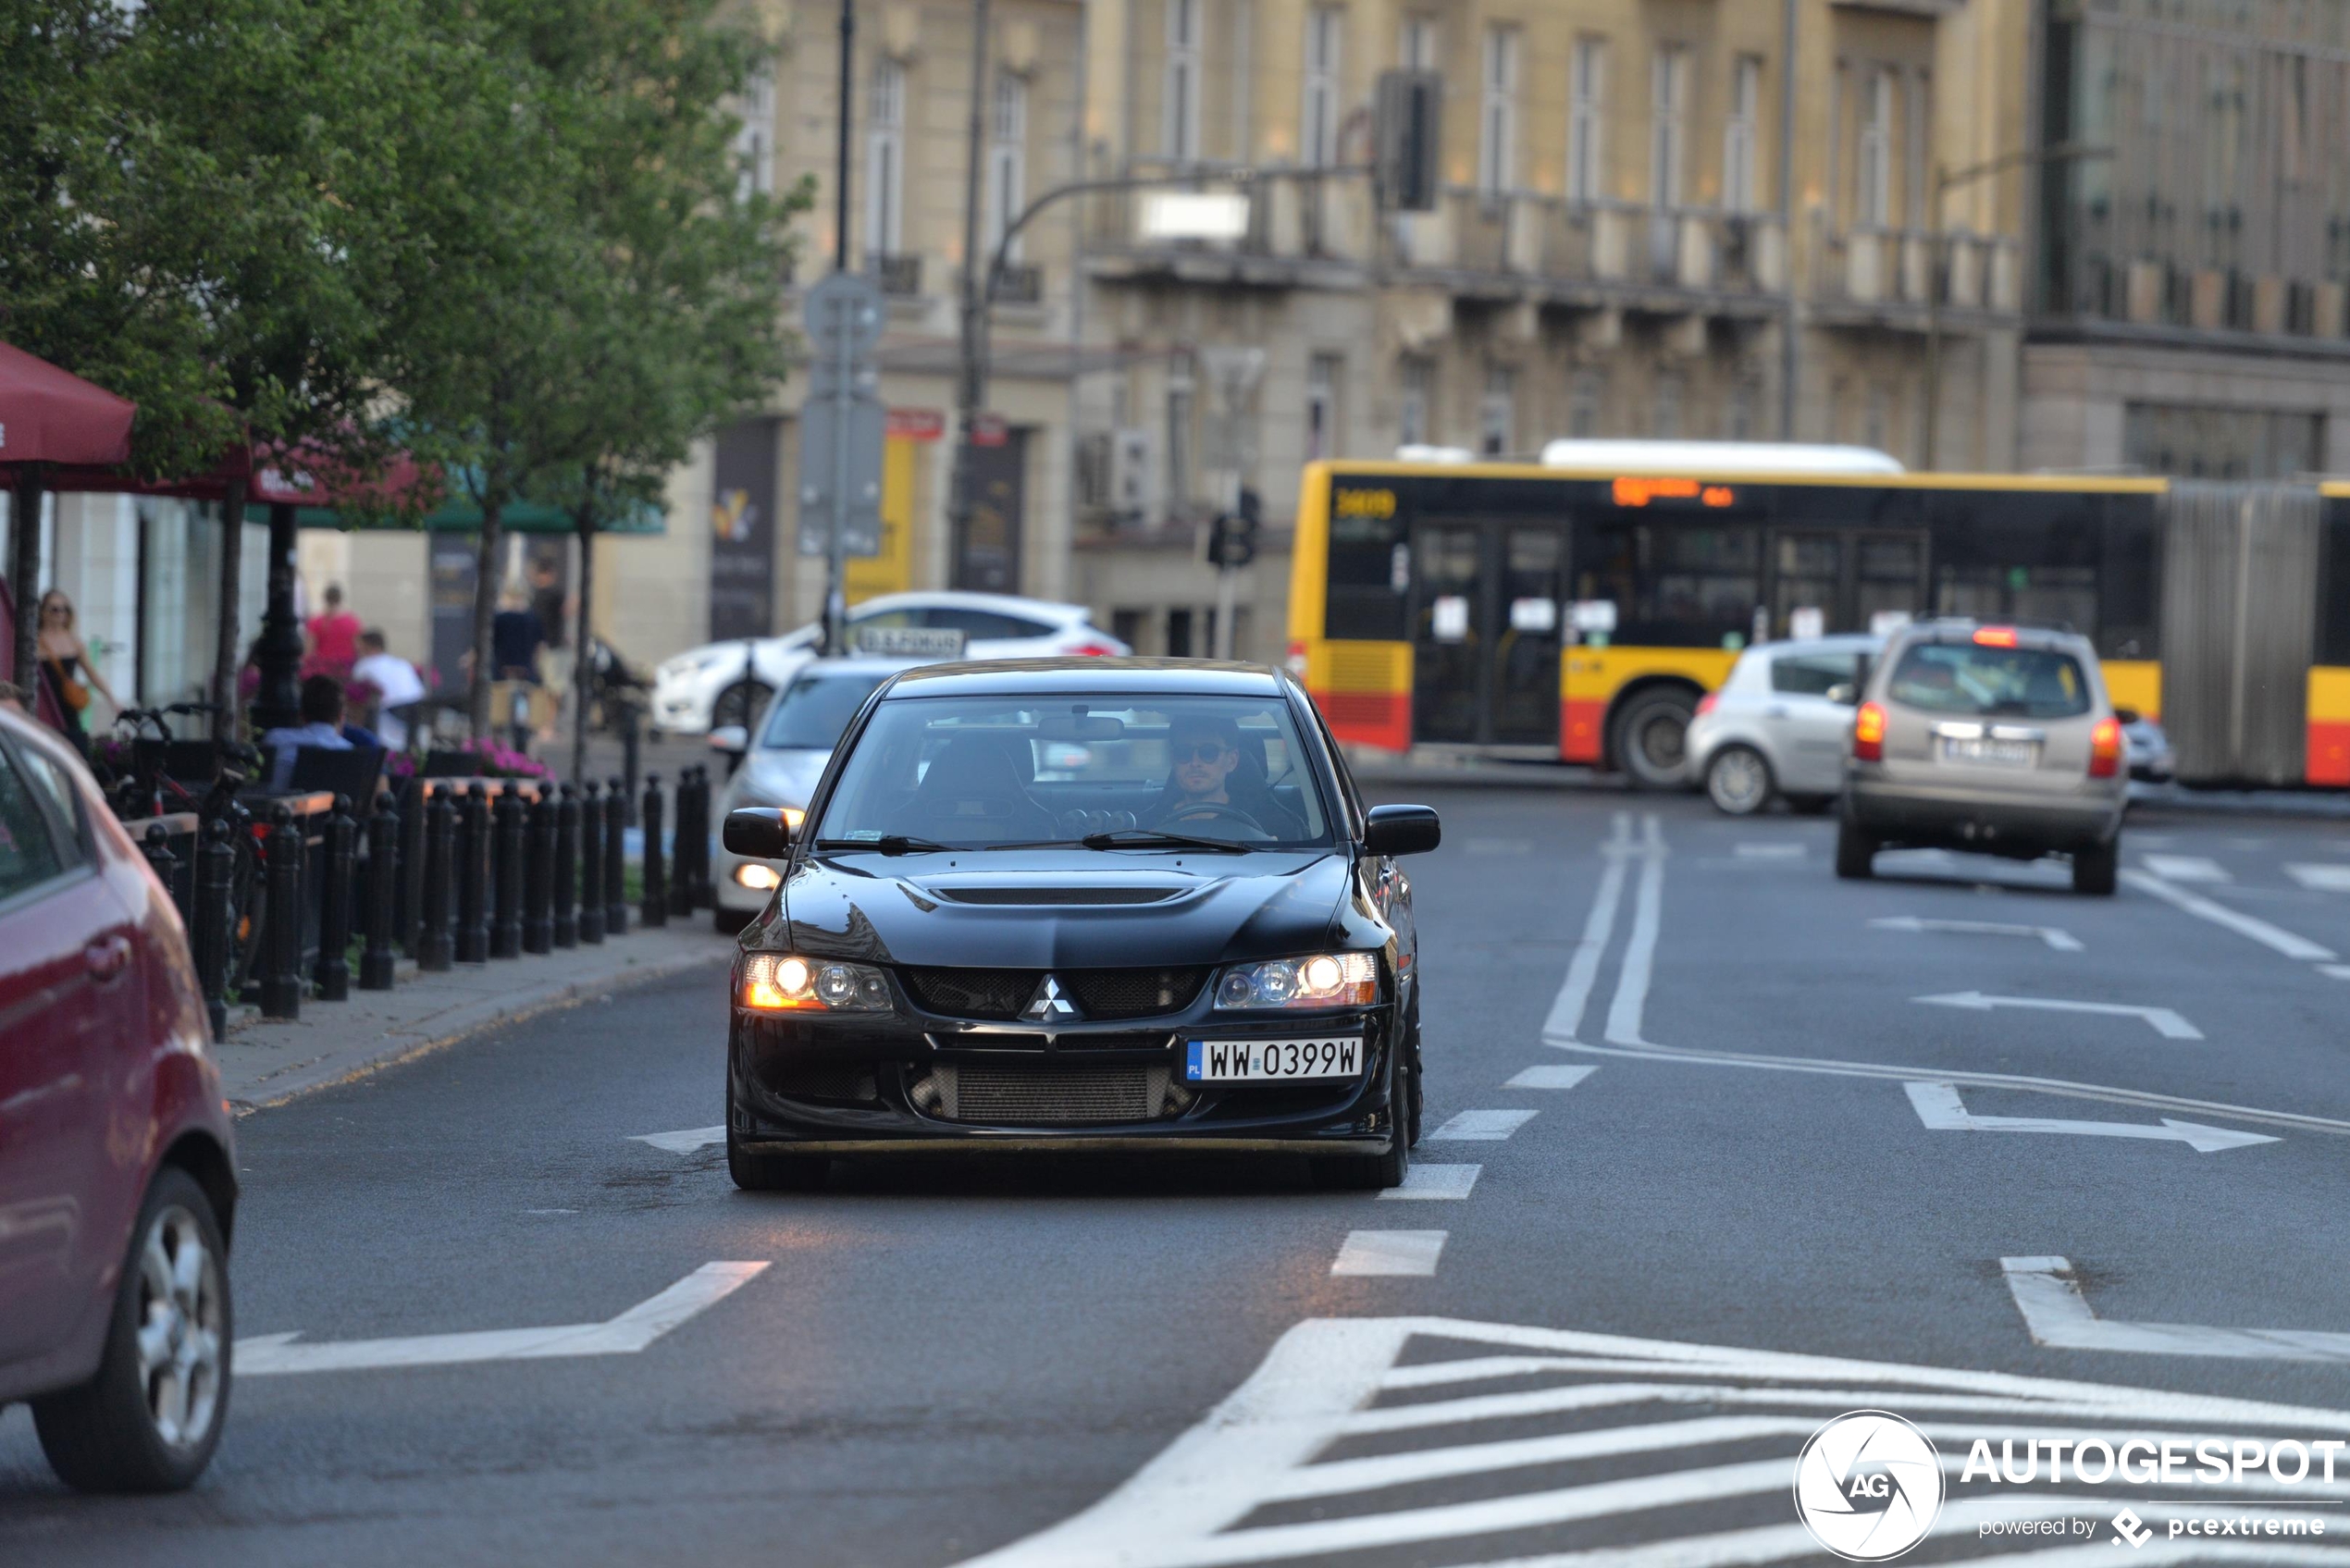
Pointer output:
x,y
615,889
656,889
156,847
567,868
332,971
281,934
681,850
539,882
591,864
386,879
473,877
506,861
705,890
408,912
433,942
216,876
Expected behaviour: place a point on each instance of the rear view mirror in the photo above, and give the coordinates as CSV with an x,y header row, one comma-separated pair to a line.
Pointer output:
x,y
1401,829
757,833
1844,694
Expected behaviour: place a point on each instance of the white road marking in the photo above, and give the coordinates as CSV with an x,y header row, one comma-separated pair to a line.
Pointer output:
x,y
2186,868
1710,1423
2261,931
1550,1076
684,1142
1582,970
273,1354
2336,971
1436,1182
1512,846
1939,1108
1623,1012
1773,850
2047,1292
1388,1254
2165,1023
1480,1127
2062,941
2321,878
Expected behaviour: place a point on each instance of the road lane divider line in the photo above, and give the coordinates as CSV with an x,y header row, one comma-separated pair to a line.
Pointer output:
x,y
271,1354
1776,850
1389,1254
684,1142
1939,1108
2047,1292
1480,1127
2275,938
2185,868
2163,1020
1436,1183
1638,965
2322,876
1549,1075
1599,929
2061,940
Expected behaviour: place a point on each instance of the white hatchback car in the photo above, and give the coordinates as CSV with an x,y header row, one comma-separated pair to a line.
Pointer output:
x,y
689,688
1782,724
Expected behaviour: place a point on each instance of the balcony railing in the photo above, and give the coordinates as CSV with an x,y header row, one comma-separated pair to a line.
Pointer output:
x,y
1895,268
1020,283
901,274
1691,250
2163,292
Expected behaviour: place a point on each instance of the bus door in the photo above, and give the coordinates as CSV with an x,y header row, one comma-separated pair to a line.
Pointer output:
x,y
1486,633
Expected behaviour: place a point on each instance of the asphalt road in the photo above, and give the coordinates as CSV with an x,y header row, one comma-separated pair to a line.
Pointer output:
x,y
1738,1137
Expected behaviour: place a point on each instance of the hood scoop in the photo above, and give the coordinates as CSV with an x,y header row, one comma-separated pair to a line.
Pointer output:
x,y
1035,898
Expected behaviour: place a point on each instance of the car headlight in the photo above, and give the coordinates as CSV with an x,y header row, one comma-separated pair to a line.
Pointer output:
x,y
758,876
1325,980
784,983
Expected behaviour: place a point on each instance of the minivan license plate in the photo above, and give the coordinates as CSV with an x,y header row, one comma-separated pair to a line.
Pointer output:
x,y
1256,1061
1988,753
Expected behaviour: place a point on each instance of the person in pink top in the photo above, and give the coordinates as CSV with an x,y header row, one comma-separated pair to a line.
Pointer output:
x,y
334,637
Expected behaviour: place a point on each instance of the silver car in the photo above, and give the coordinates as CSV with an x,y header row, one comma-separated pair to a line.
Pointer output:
x,y
1994,738
1780,727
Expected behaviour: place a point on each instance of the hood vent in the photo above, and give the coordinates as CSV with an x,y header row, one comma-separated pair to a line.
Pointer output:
x,y
1042,896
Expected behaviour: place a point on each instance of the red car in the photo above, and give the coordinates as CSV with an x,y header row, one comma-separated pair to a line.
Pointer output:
x,y
117,1166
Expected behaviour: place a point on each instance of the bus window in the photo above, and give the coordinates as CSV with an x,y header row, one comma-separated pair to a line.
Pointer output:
x,y
1889,579
1676,585
1366,590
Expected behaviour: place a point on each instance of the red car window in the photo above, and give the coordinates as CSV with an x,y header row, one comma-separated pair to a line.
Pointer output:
x,y
28,848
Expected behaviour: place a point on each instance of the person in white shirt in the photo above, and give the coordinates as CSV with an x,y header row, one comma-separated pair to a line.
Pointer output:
x,y
396,683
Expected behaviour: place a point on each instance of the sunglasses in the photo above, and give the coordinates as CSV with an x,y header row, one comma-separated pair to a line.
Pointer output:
x,y
1199,751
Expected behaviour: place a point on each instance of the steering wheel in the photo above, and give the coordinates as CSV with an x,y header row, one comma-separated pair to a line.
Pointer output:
x,y
1213,810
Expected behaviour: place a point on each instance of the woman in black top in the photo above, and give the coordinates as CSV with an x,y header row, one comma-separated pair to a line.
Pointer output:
x,y
66,670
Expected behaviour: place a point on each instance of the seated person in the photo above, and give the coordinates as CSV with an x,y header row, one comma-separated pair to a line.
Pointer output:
x,y
1209,783
321,726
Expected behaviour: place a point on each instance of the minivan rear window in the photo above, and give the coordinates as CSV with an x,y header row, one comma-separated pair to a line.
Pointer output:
x,y
2018,683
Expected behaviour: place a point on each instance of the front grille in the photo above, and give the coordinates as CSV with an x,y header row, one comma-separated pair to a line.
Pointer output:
x,y
1132,994
974,994
1026,1097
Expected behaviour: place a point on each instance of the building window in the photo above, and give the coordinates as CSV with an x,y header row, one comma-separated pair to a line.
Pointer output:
x,y
1876,429
1416,48
885,162
1586,122
1745,400
1668,124
1418,397
1741,136
755,144
1497,137
1182,81
1586,396
1178,443
1318,129
1672,393
1321,406
1497,411
1873,165
1007,160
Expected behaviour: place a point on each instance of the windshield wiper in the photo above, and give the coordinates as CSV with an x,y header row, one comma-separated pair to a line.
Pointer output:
x,y
888,844
1144,839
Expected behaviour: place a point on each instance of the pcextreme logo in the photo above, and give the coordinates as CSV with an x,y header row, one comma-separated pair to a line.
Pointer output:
x,y
1868,1486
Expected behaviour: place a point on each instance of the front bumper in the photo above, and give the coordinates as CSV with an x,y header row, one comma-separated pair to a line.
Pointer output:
x,y
1948,818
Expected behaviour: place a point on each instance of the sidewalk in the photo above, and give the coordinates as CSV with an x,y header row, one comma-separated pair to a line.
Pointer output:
x,y
267,1063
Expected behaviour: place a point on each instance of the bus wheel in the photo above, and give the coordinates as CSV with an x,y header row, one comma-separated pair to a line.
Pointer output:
x,y
1652,738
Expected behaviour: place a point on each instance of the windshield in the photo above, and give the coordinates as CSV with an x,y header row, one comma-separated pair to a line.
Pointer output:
x,y
2024,683
967,773
814,709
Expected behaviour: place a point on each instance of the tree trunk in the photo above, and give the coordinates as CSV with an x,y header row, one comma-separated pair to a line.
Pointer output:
x,y
489,583
24,539
224,657
583,667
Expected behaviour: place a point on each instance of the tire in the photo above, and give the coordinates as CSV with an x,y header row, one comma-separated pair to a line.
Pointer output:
x,y
770,1173
1651,737
2093,868
740,703
1809,805
1412,1069
1374,1173
149,1420
1855,852
1737,780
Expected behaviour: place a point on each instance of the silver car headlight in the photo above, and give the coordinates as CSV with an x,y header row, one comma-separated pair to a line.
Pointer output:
x,y
1322,980
785,982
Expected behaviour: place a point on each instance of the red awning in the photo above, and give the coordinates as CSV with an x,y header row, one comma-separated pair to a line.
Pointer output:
x,y
309,477
52,416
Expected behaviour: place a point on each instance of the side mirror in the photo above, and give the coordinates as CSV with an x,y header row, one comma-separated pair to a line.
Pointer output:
x,y
1844,694
730,737
1401,829
757,833
2125,717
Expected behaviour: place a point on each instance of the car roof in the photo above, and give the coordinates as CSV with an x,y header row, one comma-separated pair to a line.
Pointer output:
x,y
854,664
1089,677
1840,642
1010,604
1958,629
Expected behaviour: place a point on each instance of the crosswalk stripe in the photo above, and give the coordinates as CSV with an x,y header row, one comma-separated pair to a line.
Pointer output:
x,y
1436,1182
2186,868
1480,1127
1388,1254
2330,877
1549,1076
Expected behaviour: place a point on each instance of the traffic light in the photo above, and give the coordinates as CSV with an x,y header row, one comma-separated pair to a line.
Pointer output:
x,y
1232,539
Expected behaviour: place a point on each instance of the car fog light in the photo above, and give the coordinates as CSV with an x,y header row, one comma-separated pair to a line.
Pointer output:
x,y
758,878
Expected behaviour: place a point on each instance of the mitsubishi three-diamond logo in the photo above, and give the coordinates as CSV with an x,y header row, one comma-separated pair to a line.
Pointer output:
x,y
1048,1005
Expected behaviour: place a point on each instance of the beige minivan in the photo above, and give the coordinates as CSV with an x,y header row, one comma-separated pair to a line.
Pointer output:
x,y
1998,739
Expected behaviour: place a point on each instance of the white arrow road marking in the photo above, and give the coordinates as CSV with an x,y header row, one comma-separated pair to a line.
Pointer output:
x,y
2186,868
684,1142
2163,1020
2062,941
1549,1077
1480,1127
1939,1108
1385,1253
1438,1182
2273,937
625,1335
2047,1292
2323,877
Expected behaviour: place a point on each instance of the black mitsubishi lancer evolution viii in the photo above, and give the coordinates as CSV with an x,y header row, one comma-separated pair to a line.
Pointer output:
x,y
1084,905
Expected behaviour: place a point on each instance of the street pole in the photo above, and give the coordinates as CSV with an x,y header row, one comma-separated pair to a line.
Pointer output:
x,y
1789,348
840,170
971,385
837,545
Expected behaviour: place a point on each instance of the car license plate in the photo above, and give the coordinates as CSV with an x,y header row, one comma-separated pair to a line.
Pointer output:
x,y
1989,753
1259,1061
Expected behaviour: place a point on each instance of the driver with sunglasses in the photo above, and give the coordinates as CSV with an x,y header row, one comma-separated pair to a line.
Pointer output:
x,y
1207,784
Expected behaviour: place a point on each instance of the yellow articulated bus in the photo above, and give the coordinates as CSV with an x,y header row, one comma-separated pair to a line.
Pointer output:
x,y
1577,612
